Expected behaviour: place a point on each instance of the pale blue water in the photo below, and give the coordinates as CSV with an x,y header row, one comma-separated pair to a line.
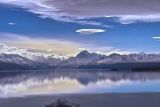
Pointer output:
x,y
24,83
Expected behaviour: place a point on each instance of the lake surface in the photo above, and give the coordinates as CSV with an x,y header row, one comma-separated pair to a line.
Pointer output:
x,y
48,82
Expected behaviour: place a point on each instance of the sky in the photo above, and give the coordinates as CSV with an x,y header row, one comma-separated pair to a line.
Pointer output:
x,y
67,27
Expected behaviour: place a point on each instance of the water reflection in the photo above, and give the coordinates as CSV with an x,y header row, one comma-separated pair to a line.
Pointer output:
x,y
21,83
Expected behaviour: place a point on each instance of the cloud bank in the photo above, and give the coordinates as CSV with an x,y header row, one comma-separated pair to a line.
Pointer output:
x,y
46,46
50,46
127,11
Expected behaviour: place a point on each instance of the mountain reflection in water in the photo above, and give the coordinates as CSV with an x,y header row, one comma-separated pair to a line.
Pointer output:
x,y
23,83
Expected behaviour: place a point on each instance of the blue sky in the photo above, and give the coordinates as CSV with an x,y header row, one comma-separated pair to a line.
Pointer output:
x,y
41,27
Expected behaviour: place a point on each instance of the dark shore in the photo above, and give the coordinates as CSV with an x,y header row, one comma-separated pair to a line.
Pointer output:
x,y
88,100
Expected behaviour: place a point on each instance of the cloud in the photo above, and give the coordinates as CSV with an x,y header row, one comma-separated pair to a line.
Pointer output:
x,y
90,31
40,45
79,11
156,37
128,19
37,86
21,44
45,10
12,23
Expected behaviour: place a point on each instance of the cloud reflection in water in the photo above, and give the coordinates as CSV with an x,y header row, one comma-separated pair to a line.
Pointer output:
x,y
75,81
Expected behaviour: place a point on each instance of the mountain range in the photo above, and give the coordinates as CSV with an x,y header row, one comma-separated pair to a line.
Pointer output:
x,y
14,58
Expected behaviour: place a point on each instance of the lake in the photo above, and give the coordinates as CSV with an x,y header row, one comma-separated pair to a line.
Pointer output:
x,y
48,82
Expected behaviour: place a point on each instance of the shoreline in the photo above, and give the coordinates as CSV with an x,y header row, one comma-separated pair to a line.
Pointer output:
x,y
88,100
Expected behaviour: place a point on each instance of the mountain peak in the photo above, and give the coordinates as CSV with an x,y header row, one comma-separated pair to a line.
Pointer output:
x,y
83,54
142,53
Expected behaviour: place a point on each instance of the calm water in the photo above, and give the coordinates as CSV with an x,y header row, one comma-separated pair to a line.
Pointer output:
x,y
24,83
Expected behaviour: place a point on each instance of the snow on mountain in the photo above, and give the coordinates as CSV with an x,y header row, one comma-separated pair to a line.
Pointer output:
x,y
25,53
141,57
11,50
26,57
84,57
17,59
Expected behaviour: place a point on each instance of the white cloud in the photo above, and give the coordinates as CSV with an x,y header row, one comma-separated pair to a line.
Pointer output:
x,y
90,31
45,10
156,37
128,19
23,45
46,46
75,11
12,23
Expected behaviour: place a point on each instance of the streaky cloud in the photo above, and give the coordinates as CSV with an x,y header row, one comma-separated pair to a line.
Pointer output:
x,y
156,37
12,23
78,11
90,31
129,19
45,10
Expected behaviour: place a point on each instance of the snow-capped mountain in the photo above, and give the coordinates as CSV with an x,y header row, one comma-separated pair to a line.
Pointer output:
x,y
11,50
84,57
27,53
25,58
131,58
19,62
49,60
114,61
14,58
